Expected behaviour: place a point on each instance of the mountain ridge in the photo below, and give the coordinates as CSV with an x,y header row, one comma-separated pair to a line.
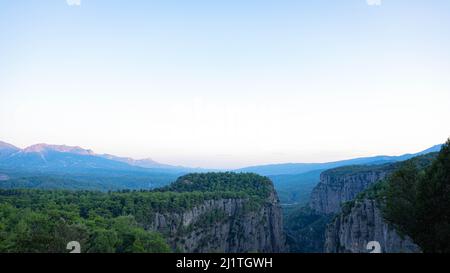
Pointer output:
x,y
43,147
297,168
9,151
51,156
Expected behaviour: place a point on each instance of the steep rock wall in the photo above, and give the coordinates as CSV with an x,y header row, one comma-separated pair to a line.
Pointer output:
x,y
224,225
351,231
334,189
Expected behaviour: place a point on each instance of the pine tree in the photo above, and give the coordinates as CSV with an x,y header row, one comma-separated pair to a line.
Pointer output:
x,y
433,205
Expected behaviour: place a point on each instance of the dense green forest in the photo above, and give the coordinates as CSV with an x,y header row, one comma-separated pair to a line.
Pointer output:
x,y
417,202
250,184
354,169
46,220
305,230
102,180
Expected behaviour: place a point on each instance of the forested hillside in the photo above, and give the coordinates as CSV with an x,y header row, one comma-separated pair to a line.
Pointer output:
x,y
346,190
417,202
45,221
408,211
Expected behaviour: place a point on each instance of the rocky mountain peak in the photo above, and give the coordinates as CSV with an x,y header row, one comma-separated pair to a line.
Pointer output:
x,y
42,147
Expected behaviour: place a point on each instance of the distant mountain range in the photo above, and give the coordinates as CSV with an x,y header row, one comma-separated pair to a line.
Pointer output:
x,y
73,158
44,157
47,166
298,168
72,167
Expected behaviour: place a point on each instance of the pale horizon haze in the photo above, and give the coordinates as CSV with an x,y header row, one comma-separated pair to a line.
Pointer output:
x,y
226,84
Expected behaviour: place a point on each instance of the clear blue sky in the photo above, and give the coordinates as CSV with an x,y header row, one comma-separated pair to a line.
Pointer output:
x,y
226,83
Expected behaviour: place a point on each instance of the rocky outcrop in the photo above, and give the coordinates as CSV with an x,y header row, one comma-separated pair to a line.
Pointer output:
x,y
336,187
224,225
351,231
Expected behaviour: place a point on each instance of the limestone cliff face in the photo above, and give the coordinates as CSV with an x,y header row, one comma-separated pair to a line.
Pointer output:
x,y
336,188
350,232
224,225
